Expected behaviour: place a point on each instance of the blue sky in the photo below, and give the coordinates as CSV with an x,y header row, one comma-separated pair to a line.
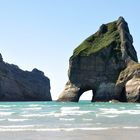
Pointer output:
x,y
43,33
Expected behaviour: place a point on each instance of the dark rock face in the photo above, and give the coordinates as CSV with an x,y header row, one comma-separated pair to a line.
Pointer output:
x,y
1,59
98,62
19,85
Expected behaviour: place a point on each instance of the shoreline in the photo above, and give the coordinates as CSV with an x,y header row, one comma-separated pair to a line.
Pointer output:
x,y
115,134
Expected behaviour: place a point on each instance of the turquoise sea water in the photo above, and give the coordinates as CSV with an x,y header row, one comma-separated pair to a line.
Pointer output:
x,y
58,116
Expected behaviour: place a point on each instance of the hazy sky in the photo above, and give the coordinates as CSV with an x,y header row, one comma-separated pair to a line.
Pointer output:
x,y
43,33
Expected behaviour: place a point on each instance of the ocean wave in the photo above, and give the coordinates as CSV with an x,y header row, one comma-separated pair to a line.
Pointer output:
x,y
4,106
70,113
53,114
4,109
131,127
75,112
62,113
85,119
106,115
16,126
33,108
7,106
61,129
66,119
111,116
69,108
122,107
34,105
17,120
34,115
54,129
56,114
6,113
2,120
116,111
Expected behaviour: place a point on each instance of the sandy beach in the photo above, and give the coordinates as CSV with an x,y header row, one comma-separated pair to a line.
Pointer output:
x,y
115,134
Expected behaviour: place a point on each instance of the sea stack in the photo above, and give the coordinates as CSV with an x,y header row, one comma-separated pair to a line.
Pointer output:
x,y
19,85
106,63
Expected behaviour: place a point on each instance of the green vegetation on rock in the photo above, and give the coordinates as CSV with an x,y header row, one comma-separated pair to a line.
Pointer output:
x,y
99,40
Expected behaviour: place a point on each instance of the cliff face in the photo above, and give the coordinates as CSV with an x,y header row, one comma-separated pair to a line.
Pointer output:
x,y
98,64
19,85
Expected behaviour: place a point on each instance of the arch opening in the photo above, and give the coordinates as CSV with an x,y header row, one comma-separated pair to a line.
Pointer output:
x,y
87,95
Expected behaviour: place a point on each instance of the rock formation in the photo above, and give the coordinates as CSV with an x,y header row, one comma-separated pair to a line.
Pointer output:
x,y
19,85
106,63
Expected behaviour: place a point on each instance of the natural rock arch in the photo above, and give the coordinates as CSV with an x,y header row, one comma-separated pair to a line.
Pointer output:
x,y
83,92
104,63
87,95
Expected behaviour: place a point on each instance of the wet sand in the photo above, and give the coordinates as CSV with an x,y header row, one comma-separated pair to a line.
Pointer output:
x,y
115,134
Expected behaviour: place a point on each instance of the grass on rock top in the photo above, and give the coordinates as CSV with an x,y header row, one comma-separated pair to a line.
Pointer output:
x,y
98,41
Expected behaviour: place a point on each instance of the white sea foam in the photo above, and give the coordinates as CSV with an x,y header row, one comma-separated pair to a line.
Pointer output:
x,y
74,112
69,108
33,115
53,114
122,107
33,108
5,106
66,112
57,114
131,127
53,105
53,129
111,116
34,105
17,120
6,113
106,115
66,119
116,111
85,119
2,119
16,126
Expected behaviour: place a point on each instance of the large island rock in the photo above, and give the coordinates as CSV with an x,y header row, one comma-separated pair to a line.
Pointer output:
x,y
19,85
99,64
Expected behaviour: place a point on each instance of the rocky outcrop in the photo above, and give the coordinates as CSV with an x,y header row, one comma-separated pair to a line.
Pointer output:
x,y
99,64
19,85
129,82
133,90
